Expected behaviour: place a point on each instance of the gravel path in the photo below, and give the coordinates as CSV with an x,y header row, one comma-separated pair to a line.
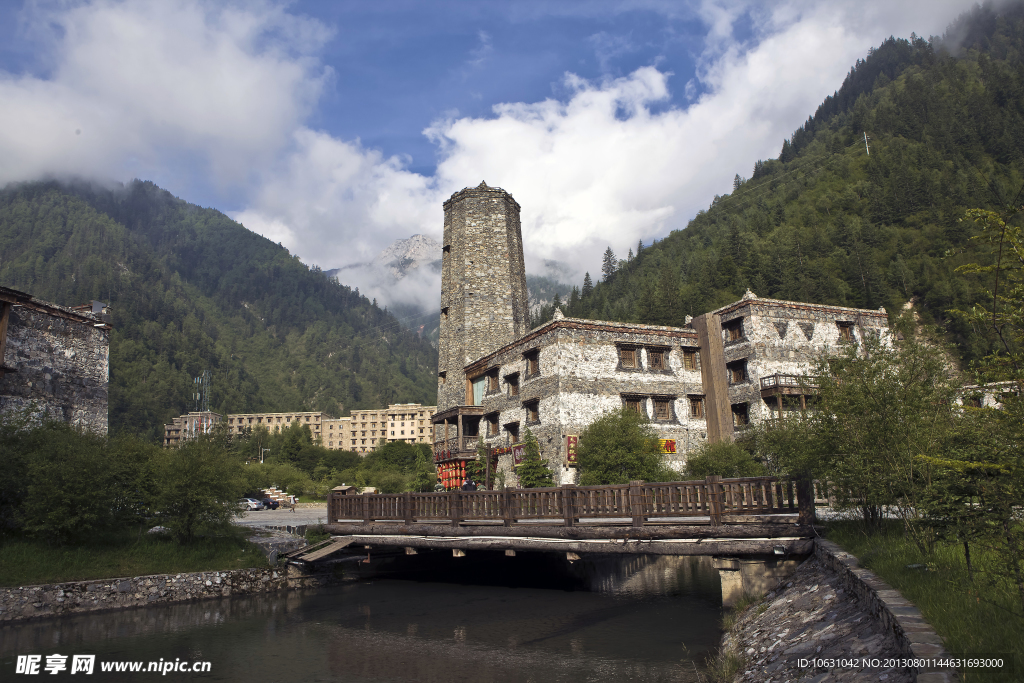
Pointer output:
x,y
284,517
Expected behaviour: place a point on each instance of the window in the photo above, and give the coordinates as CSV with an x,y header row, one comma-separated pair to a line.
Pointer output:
x,y
734,330
444,314
513,384
492,424
634,403
512,429
696,406
662,408
477,386
441,377
740,415
492,380
689,358
532,362
532,411
656,361
845,332
627,357
737,371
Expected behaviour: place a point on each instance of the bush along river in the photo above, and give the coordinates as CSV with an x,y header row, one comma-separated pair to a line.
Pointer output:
x,y
428,617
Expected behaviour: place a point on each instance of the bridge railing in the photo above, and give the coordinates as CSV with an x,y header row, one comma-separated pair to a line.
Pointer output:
x,y
720,500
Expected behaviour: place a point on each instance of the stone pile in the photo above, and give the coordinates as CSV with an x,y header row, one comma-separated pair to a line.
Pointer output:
x,y
812,617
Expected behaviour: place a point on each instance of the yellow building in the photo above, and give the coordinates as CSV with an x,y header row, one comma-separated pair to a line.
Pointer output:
x,y
408,422
188,425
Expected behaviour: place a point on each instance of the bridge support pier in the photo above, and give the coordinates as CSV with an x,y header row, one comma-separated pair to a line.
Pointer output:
x,y
751,576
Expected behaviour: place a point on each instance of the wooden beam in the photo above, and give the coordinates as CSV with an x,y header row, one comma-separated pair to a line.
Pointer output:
x,y
647,533
5,314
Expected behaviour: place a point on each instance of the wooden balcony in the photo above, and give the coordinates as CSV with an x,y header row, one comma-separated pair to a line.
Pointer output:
x,y
787,385
456,433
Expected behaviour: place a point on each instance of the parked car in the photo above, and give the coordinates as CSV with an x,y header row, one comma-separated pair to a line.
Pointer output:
x,y
250,504
270,504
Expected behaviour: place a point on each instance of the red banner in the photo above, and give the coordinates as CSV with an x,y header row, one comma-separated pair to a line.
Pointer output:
x,y
518,453
570,450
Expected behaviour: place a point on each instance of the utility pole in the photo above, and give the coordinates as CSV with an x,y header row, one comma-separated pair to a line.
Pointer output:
x,y
866,148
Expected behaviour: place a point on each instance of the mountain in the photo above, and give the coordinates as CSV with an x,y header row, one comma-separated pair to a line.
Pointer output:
x,y
864,205
192,290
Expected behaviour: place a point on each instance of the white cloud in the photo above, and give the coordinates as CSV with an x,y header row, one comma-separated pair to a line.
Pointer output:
x,y
152,84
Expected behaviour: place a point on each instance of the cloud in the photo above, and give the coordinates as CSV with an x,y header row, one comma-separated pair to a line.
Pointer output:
x,y
161,89
137,87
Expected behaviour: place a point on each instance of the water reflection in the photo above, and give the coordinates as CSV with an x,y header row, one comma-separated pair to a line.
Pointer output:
x,y
640,618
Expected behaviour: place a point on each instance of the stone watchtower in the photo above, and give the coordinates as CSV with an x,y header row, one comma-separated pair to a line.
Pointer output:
x,y
483,285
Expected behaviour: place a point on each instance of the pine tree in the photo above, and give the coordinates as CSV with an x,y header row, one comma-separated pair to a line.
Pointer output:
x,y
533,472
610,264
639,247
629,257
736,182
588,286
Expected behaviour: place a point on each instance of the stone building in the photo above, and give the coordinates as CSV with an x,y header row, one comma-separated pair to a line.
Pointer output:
x,y
54,361
730,368
363,430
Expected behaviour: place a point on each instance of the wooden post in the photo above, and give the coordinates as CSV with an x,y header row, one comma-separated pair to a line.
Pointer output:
x,y
367,514
636,503
5,314
805,500
408,508
506,507
455,507
568,509
714,485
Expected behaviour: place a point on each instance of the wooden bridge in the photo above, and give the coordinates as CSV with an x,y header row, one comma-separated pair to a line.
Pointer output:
x,y
714,516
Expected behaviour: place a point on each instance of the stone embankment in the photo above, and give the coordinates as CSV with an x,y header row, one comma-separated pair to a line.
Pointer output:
x,y
87,596
839,614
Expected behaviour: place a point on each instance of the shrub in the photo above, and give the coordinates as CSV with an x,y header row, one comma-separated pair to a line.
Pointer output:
x,y
620,447
724,459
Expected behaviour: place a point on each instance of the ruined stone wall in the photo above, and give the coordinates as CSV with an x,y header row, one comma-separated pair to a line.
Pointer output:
x,y
782,337
62,368
580,378
483,284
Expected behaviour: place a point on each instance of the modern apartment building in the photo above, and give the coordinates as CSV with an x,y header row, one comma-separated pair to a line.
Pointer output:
x,y
408,422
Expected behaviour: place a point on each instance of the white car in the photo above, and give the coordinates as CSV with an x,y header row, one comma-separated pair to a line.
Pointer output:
x,y
250,504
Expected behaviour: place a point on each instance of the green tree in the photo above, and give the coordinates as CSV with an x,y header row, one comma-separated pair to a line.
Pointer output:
x,y
725,460
199,485
609,264
533,472
620,447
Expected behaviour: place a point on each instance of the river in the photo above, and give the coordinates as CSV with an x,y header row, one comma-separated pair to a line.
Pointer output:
x,y
431,617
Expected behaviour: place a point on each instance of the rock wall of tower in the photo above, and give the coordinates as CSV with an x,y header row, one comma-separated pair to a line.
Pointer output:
x,y
483,284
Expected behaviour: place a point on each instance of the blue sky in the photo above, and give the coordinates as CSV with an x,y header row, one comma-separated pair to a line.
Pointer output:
x,y
338,127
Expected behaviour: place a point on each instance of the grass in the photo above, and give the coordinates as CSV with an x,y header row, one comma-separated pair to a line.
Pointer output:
x,y
973,619
723,667
27,562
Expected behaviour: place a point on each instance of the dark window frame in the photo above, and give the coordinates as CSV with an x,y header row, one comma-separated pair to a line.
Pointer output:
x,y
532,358
669,405
846,331
633,351
532,408
662,353
691,358
635,402
738,365
698,402
512,382
734,330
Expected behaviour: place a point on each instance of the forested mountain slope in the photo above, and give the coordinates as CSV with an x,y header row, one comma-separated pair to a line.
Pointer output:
x,y
192,290
829,222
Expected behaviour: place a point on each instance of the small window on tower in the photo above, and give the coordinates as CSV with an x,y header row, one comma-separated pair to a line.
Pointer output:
x,y
492,380
740,415
513,384
442,377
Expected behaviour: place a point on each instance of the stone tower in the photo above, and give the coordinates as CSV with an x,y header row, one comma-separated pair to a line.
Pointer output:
x,y
483,285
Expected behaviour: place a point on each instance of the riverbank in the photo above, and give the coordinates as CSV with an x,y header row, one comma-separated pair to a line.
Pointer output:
x,y
825,622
